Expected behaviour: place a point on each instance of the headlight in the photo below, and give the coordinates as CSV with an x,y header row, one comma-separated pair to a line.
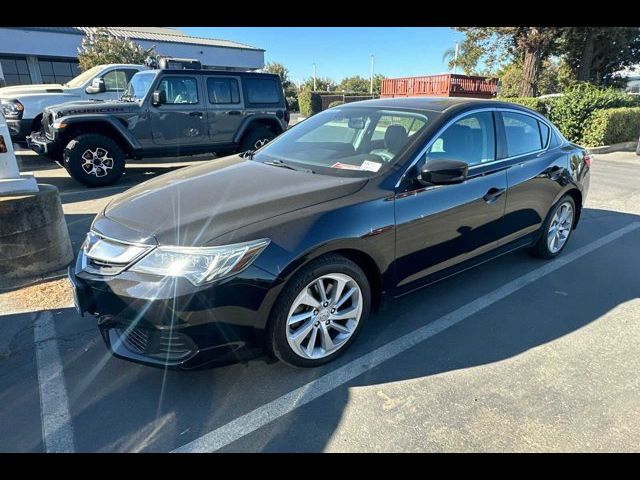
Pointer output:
x,y
11,108
200,265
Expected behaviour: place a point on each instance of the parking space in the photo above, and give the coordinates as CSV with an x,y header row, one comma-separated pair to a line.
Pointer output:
x,y
517,354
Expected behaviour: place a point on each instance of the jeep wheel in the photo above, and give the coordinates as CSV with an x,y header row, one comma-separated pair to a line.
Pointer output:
x,y
256,138
94,160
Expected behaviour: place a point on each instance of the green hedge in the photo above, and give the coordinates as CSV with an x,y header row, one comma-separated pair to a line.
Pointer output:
x,y
612,125
534,103
309,102
571,112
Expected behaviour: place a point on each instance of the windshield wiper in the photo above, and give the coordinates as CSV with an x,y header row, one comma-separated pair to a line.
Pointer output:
x,y
281,164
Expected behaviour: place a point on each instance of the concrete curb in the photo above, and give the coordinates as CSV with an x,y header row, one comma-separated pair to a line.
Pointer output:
x,y
616,147
11,284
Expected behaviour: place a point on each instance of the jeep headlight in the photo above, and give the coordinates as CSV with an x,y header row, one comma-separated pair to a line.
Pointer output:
x,y
11,108
200,265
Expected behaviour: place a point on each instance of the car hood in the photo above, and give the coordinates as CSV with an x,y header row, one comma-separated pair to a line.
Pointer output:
x,y
195,205
29,89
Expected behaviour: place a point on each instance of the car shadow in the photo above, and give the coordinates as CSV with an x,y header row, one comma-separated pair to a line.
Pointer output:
x,y
163,405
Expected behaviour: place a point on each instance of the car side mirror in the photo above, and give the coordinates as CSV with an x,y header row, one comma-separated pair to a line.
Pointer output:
x,y
97,86
443,172
158,97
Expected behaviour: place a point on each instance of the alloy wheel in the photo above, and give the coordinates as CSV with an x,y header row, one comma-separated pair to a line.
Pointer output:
x,y
96,162
560,227
324,315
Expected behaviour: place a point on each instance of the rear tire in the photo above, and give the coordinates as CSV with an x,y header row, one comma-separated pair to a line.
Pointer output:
x,y
348,302
556,229
94,160
256,138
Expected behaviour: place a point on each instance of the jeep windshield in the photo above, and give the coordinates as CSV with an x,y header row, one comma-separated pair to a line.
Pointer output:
x,y
139,86
83,77
346,141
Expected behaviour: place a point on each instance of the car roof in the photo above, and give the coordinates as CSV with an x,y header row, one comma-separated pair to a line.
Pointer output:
x,y
435,104
206,71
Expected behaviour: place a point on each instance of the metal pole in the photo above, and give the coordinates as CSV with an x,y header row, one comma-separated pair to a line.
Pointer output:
x,y
371,85
314,77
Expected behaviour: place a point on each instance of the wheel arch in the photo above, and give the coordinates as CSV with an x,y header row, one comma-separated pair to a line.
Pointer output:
x,y
99,127
258,121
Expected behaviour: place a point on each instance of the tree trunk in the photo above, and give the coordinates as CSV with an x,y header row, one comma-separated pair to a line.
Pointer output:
x,y
531,72
584,72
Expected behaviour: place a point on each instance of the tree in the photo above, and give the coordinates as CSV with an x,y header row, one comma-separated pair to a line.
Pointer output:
x,y
355,84
595,54
555,76
100,46
322,84
493,46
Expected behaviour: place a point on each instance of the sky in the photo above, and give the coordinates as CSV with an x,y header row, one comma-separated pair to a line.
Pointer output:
x,y
340,52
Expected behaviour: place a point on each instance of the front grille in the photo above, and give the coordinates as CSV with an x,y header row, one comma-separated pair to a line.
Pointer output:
x,y
158,344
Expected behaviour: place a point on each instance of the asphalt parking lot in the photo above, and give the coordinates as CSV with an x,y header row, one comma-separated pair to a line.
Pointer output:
x,y
516,355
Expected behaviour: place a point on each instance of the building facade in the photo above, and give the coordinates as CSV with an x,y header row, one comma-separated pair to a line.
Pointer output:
x,y
31,55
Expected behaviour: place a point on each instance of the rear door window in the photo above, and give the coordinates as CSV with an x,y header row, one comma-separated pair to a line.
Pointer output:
x,y
522,133
223,90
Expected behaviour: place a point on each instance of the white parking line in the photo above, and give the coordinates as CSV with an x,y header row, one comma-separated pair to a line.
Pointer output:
x,y
57,431
261,416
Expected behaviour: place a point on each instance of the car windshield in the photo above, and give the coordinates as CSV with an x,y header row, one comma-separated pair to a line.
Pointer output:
x,y
139,86
346,141
83,77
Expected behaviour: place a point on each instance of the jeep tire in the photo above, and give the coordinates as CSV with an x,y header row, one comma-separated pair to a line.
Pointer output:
x,y
94,160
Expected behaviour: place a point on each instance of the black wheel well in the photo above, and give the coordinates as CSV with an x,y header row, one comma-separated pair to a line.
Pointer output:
x,y
577,198
269,123
370,269
98,128
36,123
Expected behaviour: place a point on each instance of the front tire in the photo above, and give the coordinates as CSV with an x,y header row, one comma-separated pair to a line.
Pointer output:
x,y
94,160
320,312
556,229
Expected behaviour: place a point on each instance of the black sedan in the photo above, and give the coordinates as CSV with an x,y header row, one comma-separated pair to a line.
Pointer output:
x,y
288,249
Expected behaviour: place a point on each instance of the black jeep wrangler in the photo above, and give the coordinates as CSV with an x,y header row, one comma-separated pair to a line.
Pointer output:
x,y
164,112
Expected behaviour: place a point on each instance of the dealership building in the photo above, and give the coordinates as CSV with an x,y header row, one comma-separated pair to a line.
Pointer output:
x,y
31,55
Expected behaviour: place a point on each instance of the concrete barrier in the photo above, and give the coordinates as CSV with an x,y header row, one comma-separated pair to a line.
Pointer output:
x,y
34,239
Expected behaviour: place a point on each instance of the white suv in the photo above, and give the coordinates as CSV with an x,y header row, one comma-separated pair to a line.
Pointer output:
x,y
22,105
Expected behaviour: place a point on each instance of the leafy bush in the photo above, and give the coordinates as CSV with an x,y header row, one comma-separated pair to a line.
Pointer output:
x,y
309,102
534,103
571,112
613,125
335,103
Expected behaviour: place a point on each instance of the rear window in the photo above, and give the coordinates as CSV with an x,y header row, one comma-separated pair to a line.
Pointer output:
x,y
263,90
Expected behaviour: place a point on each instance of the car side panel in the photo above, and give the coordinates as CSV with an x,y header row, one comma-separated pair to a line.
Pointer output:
x,y
534,183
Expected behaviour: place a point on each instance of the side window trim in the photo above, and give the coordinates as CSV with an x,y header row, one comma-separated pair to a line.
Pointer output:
x,y
435,136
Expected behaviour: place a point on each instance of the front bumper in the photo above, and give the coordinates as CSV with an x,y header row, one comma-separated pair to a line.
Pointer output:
x,y
171,323
39,143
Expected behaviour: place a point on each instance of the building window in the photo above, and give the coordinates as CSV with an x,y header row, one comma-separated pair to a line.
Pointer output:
x,y
58,71
15,70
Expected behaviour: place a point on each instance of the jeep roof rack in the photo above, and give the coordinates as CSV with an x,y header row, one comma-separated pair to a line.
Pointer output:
x,y
169,63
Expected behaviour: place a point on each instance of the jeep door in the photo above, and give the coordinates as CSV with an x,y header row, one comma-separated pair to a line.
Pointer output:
x,y
181,118
225,107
